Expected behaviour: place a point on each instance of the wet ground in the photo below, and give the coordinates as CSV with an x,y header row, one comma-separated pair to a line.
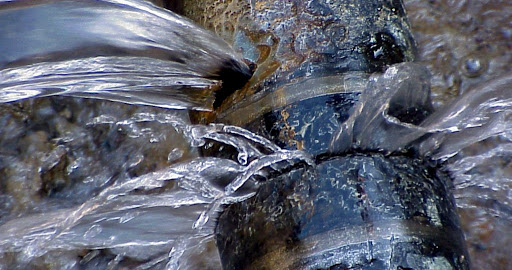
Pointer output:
x,y
465,43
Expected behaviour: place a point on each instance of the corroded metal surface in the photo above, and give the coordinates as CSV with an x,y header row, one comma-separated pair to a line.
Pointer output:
x,y
354,211
293,40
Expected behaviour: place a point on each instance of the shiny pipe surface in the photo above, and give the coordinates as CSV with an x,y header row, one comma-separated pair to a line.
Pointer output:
x,y
359,211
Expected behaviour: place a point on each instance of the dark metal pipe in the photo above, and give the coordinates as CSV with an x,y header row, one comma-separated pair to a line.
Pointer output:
x,y
358,210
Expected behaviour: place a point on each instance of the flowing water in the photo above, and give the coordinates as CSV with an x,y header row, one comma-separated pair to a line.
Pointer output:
x,y
91,184
141,54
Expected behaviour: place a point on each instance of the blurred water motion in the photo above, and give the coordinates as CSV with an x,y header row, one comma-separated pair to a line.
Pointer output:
x,y
74,171
139,53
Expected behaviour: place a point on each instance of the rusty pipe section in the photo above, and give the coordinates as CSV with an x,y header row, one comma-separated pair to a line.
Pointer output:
x,y
292,41
356,210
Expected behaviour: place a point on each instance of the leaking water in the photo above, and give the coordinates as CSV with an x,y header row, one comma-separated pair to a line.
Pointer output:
x,y
141,54
83,180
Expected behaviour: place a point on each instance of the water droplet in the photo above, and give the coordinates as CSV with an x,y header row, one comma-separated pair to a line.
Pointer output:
x,y
473,66
175,154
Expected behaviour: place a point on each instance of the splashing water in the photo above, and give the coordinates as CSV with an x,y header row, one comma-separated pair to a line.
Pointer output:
x,y
162,219
126,209
476,116
180,215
